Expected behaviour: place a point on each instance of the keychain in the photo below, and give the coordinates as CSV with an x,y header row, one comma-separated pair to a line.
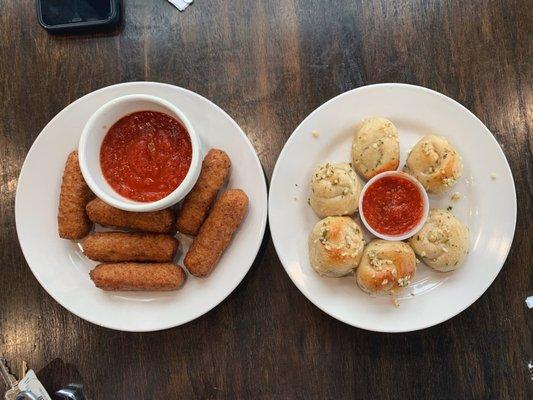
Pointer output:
x,y
30,388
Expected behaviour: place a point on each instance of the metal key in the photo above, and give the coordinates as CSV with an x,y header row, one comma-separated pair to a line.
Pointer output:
x,y
25,395
9,380
72,392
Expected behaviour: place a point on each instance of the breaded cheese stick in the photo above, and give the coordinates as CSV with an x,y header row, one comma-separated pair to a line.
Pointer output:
x,y
138,276
72,220
215,170
153,221
216,232
126,246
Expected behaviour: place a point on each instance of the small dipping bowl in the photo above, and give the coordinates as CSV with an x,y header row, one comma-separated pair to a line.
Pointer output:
x,y
413,230
93,135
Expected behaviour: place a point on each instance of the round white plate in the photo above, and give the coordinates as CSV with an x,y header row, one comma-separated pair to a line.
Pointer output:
x,y
487,206
60,266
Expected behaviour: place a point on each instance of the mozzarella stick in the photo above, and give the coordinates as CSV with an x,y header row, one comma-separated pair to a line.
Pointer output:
x,y
138,276
72,220
154,221
215,170
125,246
216,232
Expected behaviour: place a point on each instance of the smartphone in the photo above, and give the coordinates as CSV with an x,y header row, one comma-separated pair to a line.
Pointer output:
x,y
69,15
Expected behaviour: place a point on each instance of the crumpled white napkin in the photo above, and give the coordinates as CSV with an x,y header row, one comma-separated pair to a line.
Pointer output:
x,y
181,4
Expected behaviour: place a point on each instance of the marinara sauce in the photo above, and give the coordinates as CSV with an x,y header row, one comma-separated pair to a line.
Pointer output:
x,y
393,205
146,155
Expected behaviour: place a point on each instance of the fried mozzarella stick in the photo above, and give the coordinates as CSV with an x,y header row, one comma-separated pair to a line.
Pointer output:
x,y
72,220
153,221
125,246
216,232
215,170
138,276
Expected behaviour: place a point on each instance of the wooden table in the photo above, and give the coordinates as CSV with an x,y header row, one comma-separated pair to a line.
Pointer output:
x,y
269,64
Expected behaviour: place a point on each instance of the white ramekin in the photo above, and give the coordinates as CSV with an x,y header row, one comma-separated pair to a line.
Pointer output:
x,y
94,132
424,212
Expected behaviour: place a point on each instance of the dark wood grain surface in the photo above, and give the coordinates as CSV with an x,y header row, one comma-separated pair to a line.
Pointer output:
x,y
269,64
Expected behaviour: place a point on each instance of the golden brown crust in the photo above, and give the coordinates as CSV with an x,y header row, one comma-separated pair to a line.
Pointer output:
x,y
390,166
215,170
216,232
435,163
154,221
138,276
335,246
72,219
125,246
386,267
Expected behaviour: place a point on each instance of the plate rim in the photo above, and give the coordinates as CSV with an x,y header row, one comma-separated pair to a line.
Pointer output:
x,y
263,210
486,130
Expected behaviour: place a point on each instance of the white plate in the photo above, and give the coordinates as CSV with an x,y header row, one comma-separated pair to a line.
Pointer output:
x,y
487,206
60,266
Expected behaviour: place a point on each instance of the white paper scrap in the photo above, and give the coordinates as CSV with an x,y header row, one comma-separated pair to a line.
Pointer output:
x,y
529,302
181,4
32,384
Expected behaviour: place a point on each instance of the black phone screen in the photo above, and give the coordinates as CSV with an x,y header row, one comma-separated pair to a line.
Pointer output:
x,y
59,12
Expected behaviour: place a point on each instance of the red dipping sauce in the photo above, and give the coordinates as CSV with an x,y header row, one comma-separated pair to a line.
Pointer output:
x,y
146,155
393,205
